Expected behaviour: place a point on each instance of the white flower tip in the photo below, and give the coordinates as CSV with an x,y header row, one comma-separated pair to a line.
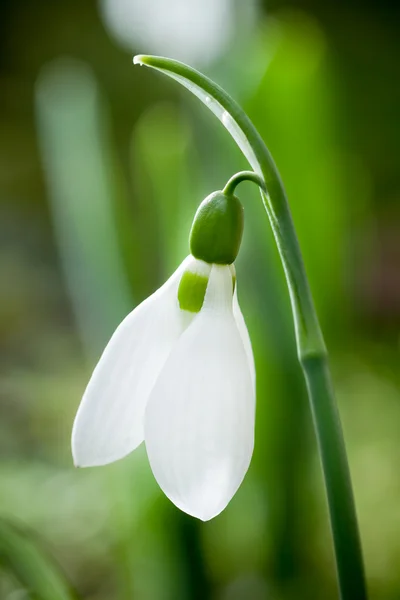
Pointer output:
x,y
204,512
208,514
205,508
81,463
82,453
78,460
138,59
210,494
83,457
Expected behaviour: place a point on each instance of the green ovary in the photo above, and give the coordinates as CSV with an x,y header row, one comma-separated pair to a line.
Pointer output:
x,y
217,229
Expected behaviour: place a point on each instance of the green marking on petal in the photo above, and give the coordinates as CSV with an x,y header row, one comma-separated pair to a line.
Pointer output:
x,y
191,291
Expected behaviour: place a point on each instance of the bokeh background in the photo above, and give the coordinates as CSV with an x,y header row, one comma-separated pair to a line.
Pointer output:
x,y
102,166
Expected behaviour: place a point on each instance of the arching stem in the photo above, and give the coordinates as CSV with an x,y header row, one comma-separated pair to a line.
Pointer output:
x,y
234,181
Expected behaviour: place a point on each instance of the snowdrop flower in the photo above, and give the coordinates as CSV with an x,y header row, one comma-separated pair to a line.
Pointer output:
x,y
179,374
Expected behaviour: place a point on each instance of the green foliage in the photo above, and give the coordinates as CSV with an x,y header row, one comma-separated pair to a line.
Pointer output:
x,y
22,555
96,205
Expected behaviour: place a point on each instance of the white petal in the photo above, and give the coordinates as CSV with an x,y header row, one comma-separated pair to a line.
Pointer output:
x,y
109,423
199,420
244,334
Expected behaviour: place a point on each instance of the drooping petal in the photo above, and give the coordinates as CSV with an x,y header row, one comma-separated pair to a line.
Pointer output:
x,y
244,334
109,423
199,420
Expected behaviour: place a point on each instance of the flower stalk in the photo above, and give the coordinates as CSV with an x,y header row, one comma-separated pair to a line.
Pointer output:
x,y
234,181
311,348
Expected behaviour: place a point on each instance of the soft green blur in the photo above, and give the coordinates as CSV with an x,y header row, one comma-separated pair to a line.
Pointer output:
x,y
102,167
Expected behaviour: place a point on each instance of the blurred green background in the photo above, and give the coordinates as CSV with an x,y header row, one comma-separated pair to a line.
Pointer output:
x,y
102,166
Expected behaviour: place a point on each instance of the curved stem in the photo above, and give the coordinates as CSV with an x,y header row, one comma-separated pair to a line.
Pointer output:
x,y
337,479
310,343
234,181
308,334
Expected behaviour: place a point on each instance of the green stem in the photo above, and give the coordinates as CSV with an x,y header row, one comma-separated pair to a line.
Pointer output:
x,y
337,478
234,181
310,343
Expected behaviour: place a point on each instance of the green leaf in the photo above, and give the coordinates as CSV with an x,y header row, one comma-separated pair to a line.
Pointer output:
x,y
26,560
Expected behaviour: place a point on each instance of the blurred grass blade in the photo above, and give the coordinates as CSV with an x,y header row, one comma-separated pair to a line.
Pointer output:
x,y
81,176
24,558
296,106
162,169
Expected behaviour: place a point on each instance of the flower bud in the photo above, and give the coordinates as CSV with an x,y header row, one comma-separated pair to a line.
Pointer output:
x,y
217,229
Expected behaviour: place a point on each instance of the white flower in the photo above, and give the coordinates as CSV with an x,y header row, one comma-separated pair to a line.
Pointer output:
x,y
198,31
184,382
